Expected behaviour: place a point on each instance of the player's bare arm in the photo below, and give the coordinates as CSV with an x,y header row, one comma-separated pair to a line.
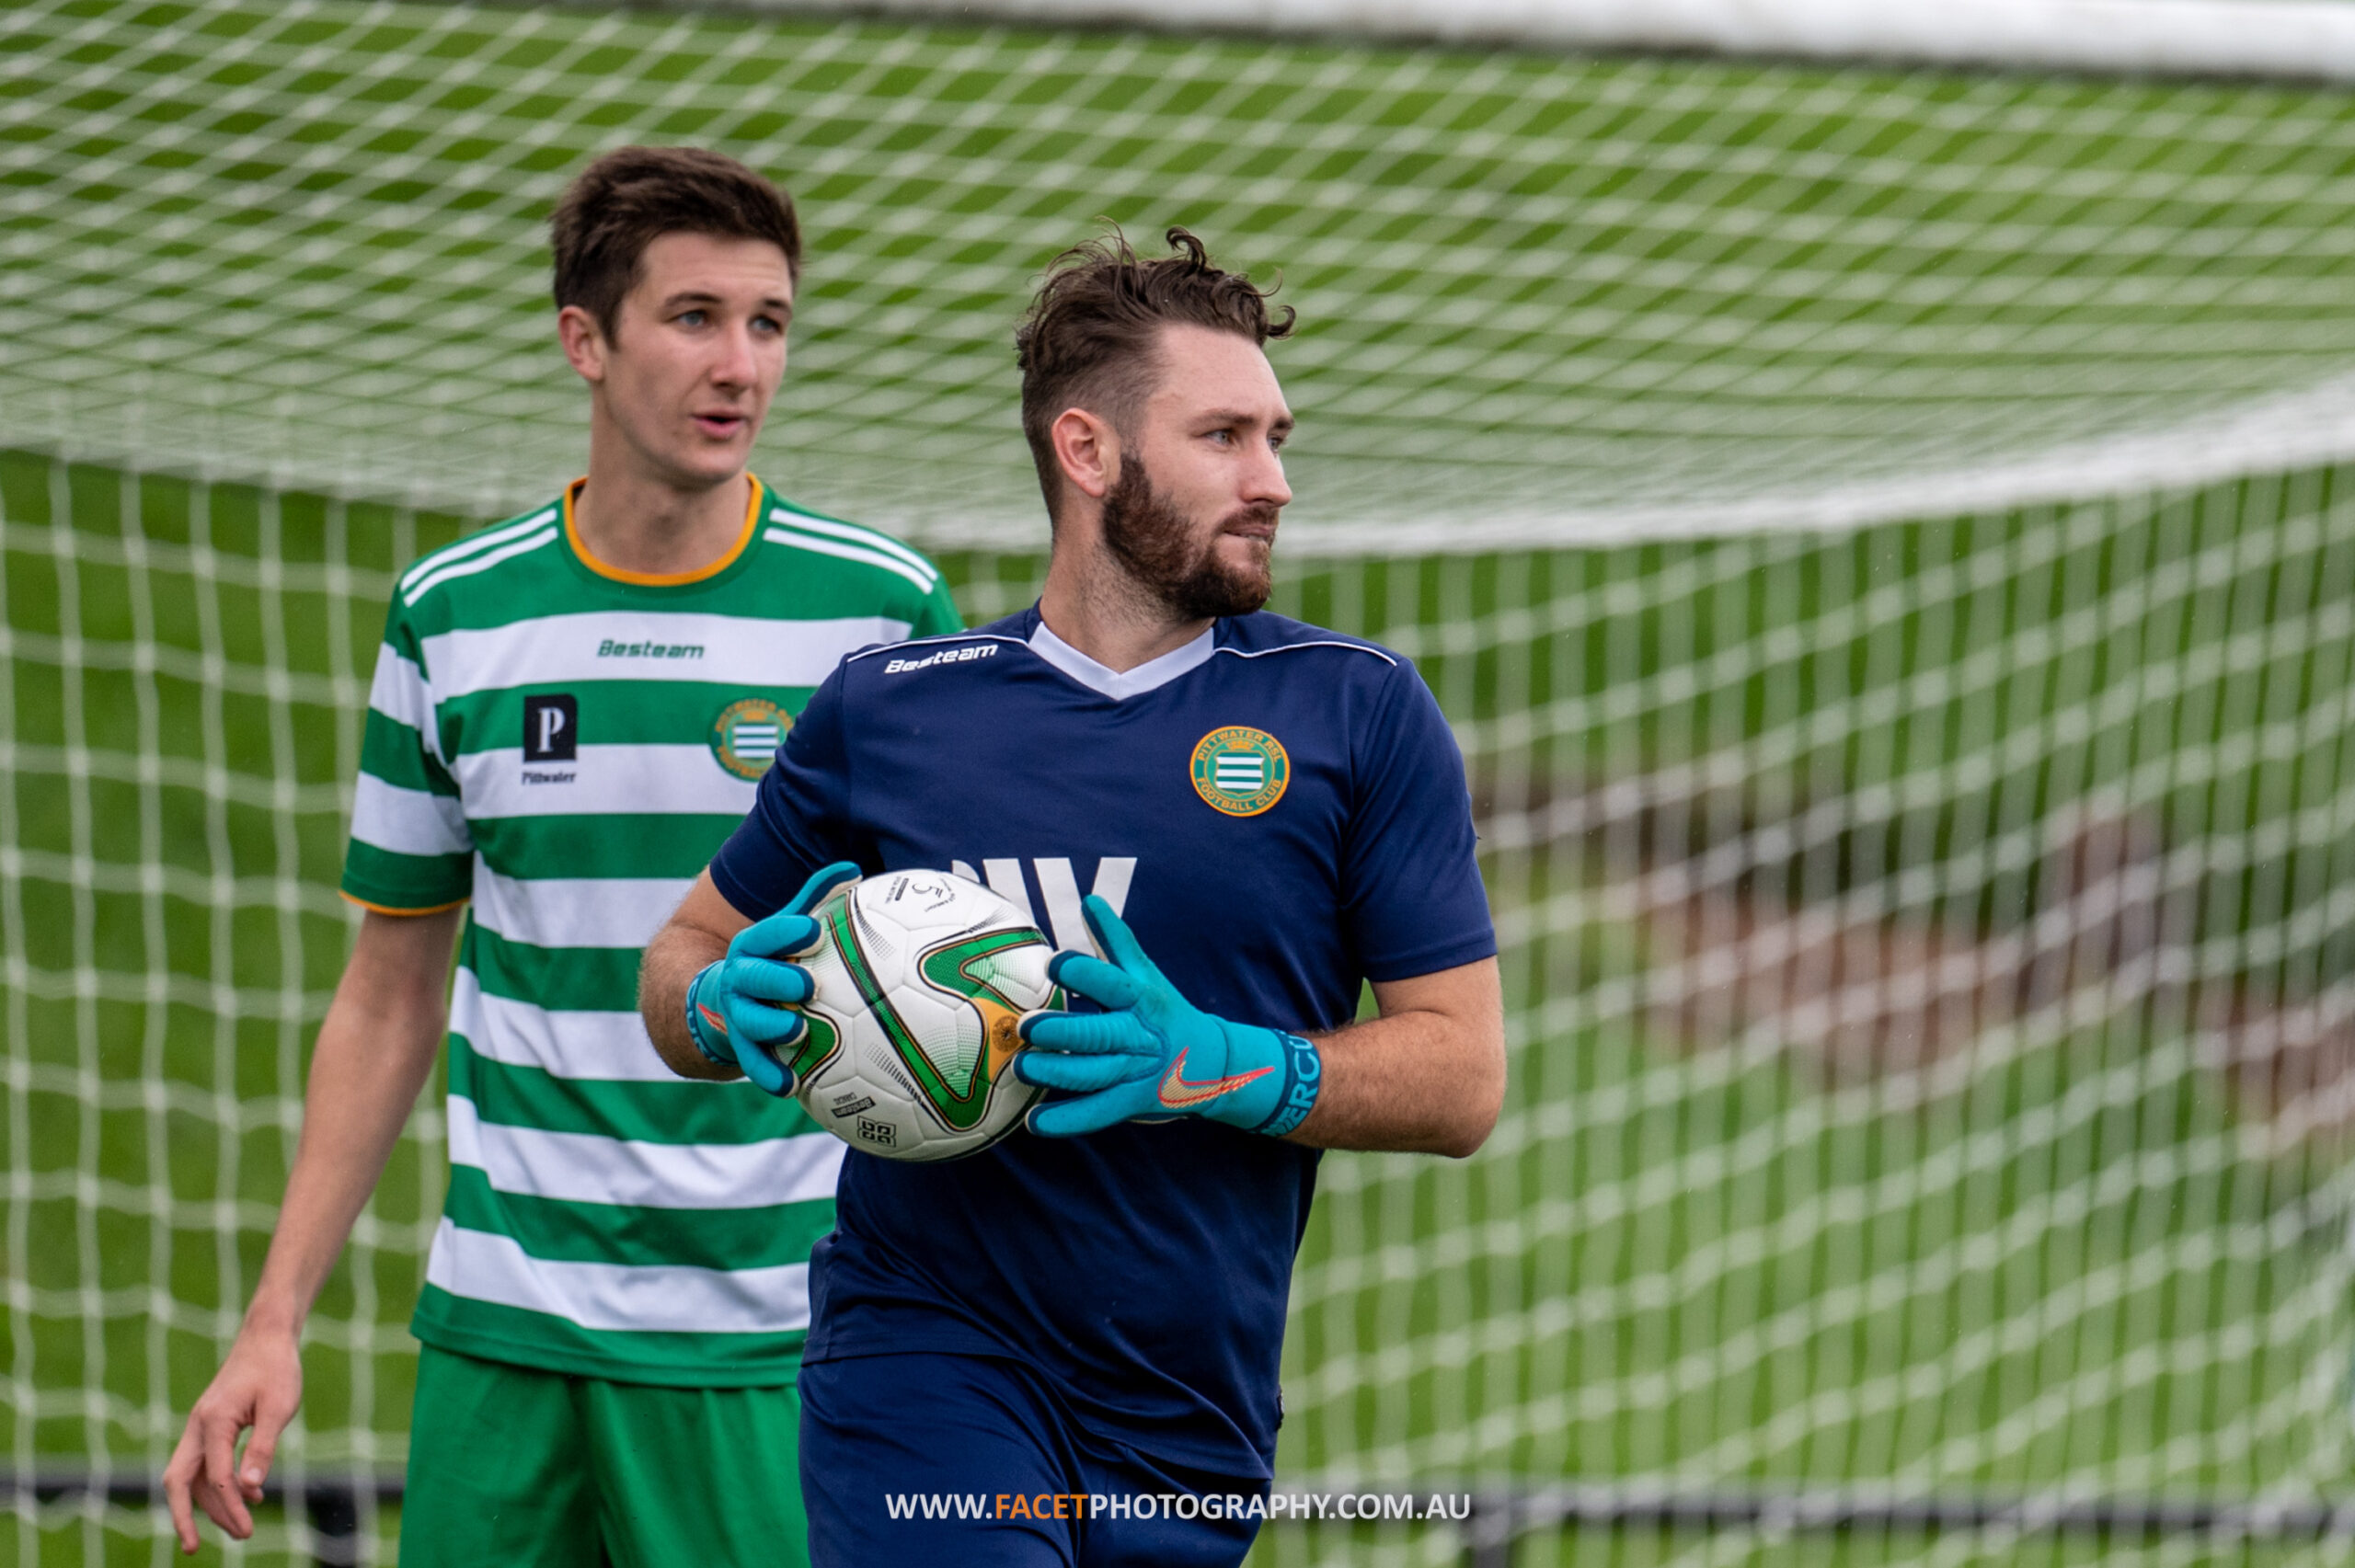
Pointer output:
x,y
374,1050
1425,1077
697,935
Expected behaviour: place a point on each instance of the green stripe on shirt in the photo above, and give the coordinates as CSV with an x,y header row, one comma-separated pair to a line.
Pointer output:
x,y
495,1332
596,1232
684,1112
621,844
629,713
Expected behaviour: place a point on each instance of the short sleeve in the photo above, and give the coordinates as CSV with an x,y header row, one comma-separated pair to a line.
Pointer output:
x,y
1412,897
799,820
410,851
938,615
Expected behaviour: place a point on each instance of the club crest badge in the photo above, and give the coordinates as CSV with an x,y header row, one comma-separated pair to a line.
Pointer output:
x,y
1240,771
746,735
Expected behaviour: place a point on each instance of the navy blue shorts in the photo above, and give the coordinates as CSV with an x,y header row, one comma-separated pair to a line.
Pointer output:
x,y
929,1458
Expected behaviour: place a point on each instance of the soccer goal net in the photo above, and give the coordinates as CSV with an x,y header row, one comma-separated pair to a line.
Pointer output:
x,y
1885,539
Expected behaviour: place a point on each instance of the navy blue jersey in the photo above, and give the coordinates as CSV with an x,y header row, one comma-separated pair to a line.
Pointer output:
x,y
1280,814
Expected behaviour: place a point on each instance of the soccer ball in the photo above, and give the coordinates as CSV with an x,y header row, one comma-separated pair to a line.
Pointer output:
x,y
920,977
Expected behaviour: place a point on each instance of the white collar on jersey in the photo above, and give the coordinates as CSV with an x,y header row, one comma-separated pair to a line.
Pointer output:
x,y
1121,684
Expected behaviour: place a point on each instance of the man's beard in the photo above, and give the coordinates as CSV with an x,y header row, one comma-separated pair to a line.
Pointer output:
x,y
1148,535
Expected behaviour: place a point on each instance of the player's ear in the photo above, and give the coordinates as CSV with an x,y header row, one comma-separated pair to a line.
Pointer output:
x,y
1088,449
584,342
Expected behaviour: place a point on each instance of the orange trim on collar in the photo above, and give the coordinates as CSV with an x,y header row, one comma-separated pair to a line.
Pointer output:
x,y
662,579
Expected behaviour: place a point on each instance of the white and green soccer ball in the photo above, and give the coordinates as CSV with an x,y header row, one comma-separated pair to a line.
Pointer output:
x,y
921,977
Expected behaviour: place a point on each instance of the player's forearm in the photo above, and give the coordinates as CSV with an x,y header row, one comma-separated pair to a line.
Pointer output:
x,y
374,1050
672,959
1384,1090
697,934
1427,1077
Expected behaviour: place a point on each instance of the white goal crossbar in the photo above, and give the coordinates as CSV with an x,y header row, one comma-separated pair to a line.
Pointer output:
x,y
2287,40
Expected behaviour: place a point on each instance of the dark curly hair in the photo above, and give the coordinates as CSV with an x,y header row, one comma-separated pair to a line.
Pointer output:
x,y
632,196
1089,338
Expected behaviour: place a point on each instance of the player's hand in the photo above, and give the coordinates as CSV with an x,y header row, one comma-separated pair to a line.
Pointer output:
x,y
740,1010
260,1385
1154,1054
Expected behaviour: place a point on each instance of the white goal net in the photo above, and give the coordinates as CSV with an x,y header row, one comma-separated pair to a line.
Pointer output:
x,y
1884,539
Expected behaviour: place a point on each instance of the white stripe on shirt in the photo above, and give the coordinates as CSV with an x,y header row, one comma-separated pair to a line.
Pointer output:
x,y
580,1167
722,650
602,780
599,1047
673,1298
583,911
407,821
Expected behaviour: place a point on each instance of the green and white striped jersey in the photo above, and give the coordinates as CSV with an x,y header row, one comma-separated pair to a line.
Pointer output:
x,y
566,745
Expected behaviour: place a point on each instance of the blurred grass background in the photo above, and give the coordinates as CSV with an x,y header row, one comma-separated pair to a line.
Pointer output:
x,y
1595,351
2073,1259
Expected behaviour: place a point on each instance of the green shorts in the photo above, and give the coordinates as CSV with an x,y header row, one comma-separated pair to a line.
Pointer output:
x,y
513,1467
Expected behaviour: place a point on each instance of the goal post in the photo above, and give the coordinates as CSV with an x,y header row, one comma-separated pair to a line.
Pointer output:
x,y
1930,1042
1925,952
1885,540
2297,40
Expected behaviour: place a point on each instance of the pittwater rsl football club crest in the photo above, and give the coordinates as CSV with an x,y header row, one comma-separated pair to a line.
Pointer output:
x,y
746,735
1240,771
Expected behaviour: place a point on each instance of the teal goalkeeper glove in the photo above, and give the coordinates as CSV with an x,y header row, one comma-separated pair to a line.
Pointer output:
x,y
739,1009
1154,1054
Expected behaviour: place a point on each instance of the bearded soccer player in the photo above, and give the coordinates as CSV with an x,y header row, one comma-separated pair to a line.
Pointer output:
x,y
1269,815
570,711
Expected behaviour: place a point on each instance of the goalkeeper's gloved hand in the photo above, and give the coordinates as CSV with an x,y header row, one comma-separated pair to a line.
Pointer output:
x,y
740,1008
1152,1054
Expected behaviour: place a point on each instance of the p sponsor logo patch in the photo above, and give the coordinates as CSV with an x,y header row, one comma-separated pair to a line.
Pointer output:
x,y
1240,771
746,735
552,728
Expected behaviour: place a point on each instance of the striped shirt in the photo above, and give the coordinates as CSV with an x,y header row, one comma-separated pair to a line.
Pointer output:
x,y
565,745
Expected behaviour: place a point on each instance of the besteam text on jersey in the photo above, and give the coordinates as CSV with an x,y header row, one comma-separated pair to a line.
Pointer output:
x,y
961,655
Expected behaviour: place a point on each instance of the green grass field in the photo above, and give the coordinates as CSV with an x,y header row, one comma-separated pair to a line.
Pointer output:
x,y
296,249
2064,1262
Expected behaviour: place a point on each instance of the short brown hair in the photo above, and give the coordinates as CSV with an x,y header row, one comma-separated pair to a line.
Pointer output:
x,y
1089,337
633,196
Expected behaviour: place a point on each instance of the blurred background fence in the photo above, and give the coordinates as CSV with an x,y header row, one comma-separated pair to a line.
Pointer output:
x,y
1885,539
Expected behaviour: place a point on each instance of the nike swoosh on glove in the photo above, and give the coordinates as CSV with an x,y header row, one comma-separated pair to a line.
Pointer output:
x,y
1151,1053
741,1010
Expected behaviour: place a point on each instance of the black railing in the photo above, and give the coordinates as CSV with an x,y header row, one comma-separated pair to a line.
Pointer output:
x,y
1491,1521
331,1502
1496,1519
